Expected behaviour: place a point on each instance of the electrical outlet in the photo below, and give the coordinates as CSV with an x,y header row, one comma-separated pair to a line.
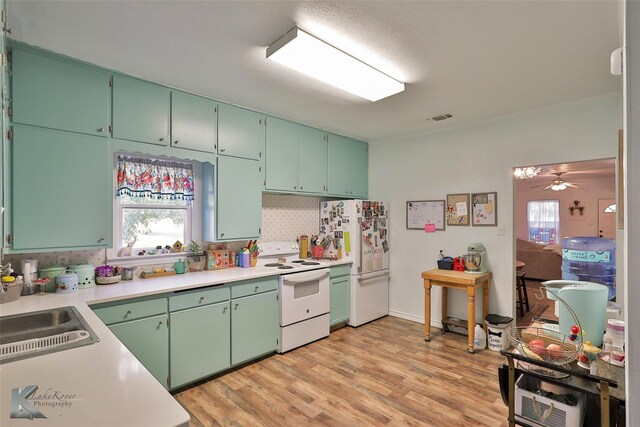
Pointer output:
x,y
63,260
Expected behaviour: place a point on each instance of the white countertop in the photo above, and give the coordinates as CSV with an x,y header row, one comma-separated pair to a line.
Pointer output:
x,y
111,387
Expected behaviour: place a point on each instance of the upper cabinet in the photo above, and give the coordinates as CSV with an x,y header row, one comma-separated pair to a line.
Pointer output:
x,y
348,167
140,111
57,93
240,132
295,157
193,122
60,190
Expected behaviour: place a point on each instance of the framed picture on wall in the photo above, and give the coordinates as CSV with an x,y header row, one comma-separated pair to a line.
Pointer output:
x,y
458,209
484,209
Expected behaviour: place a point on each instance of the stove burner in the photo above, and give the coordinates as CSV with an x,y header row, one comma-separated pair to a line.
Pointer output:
x,y
285,267
298,261
273,264
310,263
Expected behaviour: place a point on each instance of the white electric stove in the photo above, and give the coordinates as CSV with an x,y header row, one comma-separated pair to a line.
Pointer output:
x,y
303,294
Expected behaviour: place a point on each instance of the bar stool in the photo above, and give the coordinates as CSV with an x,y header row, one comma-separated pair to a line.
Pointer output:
x,y
523,297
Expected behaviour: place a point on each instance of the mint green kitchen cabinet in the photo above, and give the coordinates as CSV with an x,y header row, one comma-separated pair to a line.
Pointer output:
x,y
254,326
60,190
193,122
281,155
240,132
348,167
58,93
239,200
312,160
200,342
140,111
339,293
148,340
295,157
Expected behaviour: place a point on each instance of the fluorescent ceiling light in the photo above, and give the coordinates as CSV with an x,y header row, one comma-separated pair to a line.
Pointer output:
x,y
315,58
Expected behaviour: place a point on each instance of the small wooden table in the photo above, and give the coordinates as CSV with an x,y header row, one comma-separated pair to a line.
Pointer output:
x,y
456,280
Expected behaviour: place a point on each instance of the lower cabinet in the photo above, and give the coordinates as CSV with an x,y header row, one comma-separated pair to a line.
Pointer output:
x,y
254,326
200,342
339,293
148,340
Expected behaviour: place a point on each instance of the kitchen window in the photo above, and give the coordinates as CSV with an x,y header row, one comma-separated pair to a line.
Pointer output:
x,y
156,204
543,219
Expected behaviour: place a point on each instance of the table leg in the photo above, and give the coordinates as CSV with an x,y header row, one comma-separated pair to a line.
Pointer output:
x,y
604,404
471,315
427,309
511,390
485,305
445,295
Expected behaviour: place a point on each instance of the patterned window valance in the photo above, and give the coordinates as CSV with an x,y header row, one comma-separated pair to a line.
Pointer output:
x,y
152,178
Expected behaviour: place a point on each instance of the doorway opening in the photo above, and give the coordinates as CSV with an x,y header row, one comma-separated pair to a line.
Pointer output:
x,y
562,200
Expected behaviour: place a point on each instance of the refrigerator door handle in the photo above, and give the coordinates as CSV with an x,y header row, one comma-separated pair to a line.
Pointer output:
x,y
360,244
375,276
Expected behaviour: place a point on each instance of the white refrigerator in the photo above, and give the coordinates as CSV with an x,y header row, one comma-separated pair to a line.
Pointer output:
x,y
360,229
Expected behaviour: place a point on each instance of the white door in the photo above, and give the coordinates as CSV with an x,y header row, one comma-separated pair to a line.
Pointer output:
x,y
369,297
607,218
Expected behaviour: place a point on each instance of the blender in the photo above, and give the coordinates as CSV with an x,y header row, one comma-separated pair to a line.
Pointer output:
x,y
474,259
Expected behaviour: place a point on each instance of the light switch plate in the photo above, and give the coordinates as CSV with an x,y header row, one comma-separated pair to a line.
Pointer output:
x,y
501,230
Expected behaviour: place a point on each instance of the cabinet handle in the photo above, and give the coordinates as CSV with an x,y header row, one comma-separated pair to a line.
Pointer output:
x,y
176,141
161,139
100,130
127,313
301,187
236,307
201,299
224,309
256,289
100,239
221,234
222,150
161,323
294,187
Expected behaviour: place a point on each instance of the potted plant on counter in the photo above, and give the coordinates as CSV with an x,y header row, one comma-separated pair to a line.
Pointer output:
x,y
195,259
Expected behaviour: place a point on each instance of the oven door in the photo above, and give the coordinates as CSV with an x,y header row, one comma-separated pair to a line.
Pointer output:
x,y
303,295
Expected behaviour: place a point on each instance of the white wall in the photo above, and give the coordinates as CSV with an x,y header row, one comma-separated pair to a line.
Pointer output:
x,y
632,208
590,190
477,158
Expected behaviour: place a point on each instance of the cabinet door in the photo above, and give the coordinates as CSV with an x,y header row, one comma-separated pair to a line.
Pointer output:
x,y
193,122
339,294
312,160
59,94
254,326
200,342
148,340
339,168
239,201
360,171
60,189
239,132
281,157
140,111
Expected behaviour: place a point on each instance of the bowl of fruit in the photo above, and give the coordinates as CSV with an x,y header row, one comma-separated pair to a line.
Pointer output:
x,y
548,345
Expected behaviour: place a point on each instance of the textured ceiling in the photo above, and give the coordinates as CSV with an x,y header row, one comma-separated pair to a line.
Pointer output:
x,y
475,60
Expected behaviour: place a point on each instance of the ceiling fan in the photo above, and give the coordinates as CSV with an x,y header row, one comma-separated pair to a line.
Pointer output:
x,y
558,184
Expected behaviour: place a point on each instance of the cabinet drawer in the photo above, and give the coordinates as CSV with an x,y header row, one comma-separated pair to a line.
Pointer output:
x,y
198,298
341,270
252,287
131,311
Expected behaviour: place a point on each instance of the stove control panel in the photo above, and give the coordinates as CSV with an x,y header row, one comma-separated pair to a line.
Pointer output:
x,y
278,248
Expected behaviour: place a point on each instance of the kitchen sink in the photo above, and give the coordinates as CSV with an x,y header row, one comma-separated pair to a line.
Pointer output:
x,y
35,333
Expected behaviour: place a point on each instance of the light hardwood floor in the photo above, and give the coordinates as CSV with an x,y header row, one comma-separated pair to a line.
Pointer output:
x,y
382,373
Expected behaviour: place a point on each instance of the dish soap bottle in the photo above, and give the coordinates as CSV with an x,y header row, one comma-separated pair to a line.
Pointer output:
x,y
480,338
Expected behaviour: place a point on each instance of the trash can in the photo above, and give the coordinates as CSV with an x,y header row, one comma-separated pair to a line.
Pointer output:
x,y
497,336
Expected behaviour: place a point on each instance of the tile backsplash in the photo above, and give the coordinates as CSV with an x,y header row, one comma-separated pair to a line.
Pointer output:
x,y
284,218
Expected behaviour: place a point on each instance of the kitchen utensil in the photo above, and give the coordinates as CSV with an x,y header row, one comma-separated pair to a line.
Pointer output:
x,y
86,274
180,266
475,258
28,266
127,273
472,262
53,271
108,280
67,282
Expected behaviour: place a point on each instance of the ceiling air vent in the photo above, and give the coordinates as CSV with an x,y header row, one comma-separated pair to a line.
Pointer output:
x,y
440,118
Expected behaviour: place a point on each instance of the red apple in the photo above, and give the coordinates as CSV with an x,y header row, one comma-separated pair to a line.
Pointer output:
x,y
538,347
